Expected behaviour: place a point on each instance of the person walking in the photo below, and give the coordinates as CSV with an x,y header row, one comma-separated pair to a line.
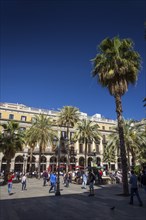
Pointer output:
x,y
134,189
66,180
91,179
84,180
10,181
23,182
53,182
45,177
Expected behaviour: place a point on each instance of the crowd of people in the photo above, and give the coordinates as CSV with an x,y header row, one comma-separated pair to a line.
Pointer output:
x,y
84,178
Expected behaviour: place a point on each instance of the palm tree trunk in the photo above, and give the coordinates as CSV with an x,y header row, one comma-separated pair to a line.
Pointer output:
x,y
85,164
39,165
30,166
122,144
128,155
68,162
7,170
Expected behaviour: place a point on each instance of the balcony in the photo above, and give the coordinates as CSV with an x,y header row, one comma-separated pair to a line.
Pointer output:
x,y
73,152
91,154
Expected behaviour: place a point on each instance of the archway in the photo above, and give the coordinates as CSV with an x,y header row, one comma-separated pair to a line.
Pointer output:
x,y
31,164
89,161
4,164
81,161
19,162
53,161
98,159
72,163
119,163
43,163
63,161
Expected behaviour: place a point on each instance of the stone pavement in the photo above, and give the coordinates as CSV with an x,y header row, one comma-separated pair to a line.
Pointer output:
x,y
74,203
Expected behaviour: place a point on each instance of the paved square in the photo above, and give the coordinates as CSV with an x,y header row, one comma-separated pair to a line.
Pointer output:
x,y
74,203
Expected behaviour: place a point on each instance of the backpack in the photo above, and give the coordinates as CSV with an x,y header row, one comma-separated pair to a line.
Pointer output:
x,y
93,177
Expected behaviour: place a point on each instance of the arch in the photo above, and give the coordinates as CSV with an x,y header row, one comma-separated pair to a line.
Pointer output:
x,y
43,159
19,159
72,160
98,161
89,161
4,160
33,159
19,163
43,163
31,165
81,161
53,160
119,163
63,159
4,163
72,163
52,166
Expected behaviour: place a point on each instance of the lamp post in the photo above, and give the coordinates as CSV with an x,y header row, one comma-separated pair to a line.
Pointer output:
x,y
56,141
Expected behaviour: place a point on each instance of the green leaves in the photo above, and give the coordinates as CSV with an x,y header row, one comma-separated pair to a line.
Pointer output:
x,y
116,65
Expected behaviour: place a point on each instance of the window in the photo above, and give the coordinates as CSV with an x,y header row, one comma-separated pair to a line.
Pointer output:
x,y
11,116
104,139
63,134
0,115
81,148
89,148
23,118
97,149
71,135
72,151
103,127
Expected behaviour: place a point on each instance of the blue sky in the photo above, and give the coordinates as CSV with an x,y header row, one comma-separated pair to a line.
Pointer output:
x,y
46,48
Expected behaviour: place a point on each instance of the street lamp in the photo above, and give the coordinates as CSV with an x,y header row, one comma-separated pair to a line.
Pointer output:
x,y
58,141
55,142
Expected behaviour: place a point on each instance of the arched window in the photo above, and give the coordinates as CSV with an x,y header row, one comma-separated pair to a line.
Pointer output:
x,y
81,161
53,160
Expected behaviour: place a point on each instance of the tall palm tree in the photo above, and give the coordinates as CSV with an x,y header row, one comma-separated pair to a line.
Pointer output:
x,y
32,143
87,132
116,66
41,131
68,117
11,141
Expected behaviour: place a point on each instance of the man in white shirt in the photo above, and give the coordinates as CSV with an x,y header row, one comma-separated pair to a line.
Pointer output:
x,y
23,181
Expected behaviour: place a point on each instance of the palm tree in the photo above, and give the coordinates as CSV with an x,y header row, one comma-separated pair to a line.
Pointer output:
x,y
11,141
32,143
134,140
116,66
109,156
68,117
87,132
41,132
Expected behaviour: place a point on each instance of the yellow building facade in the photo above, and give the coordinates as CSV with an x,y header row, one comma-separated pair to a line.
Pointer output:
x,y
24,115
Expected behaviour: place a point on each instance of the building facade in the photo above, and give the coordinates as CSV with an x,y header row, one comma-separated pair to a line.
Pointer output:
x,y
24,115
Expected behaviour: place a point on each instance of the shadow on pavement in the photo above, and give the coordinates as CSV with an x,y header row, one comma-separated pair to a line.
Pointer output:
x,y
72,207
